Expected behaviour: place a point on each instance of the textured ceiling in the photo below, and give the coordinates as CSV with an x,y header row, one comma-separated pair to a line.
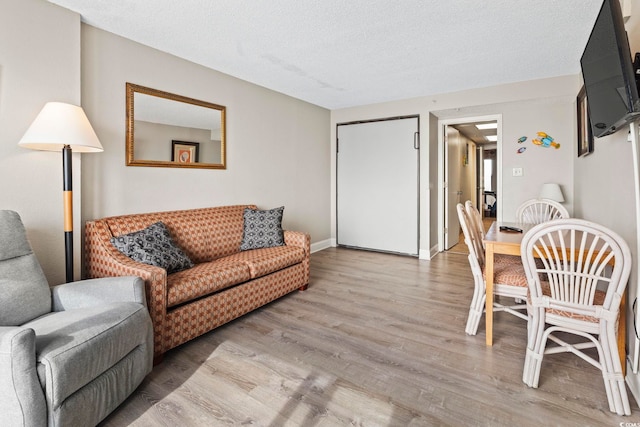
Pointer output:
x,y
342,53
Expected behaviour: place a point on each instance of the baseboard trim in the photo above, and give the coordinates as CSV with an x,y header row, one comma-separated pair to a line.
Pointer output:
x,y
428,254
324,244
424,254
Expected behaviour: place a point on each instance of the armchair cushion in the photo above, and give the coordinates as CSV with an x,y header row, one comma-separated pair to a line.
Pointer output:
x,y
24,290
14,236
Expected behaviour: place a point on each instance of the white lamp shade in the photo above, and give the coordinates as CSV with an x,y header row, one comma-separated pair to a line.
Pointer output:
x,y
60,124
551,191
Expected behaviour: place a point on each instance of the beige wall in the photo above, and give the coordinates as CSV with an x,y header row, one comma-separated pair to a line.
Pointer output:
x,y
277,146
39,62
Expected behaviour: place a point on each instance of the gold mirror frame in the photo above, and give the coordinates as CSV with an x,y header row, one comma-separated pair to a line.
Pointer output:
x,y
131,160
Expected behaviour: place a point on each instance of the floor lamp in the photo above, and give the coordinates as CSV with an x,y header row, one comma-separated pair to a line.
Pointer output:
x,y
61,126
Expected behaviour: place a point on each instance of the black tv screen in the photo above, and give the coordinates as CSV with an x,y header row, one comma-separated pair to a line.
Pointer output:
x,y
608,73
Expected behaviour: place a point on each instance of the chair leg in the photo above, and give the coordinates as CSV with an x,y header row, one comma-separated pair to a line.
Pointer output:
x,y
612,372
475,310
473,321
536,343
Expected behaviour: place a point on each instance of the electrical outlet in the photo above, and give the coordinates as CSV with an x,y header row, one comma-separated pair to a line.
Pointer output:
x,y
517,171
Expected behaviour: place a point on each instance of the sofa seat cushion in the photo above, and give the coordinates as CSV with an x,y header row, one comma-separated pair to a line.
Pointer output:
x,y
86,342
267,260
204,279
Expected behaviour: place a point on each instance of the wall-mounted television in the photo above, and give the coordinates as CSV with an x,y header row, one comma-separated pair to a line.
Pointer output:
x,y
608,73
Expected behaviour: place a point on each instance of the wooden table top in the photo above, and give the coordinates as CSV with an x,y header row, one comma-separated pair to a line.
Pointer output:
x,y
494,235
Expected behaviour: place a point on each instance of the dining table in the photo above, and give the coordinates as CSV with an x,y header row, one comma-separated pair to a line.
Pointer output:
x,y
508,243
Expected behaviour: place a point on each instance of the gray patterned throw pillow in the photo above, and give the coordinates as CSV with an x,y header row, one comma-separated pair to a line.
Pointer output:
x,y
262,229
154,246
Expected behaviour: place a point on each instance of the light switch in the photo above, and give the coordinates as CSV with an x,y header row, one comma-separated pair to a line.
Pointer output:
x,y
517,171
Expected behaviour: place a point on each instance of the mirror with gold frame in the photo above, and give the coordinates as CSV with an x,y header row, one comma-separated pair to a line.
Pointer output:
x,y
168,130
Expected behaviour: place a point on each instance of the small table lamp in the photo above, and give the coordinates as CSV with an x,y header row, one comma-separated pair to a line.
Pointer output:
x,y
61,126
552,191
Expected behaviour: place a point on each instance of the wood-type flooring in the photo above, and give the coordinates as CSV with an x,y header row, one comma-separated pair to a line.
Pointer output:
x,y
376,340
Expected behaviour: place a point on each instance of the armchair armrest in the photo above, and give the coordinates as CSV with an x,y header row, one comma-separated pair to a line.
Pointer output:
x,y
91,292
22,400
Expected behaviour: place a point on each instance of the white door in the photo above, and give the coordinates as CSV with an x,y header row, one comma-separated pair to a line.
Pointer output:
x,y
453,189
377,185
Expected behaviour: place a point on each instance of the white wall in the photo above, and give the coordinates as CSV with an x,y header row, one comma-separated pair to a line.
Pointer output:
x,y
39,62
526,108
277,146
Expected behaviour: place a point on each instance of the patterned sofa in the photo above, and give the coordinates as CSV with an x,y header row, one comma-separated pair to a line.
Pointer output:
x,y
224,282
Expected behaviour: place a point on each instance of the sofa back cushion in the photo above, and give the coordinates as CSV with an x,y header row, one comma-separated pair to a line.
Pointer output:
x,y
24,290
203,234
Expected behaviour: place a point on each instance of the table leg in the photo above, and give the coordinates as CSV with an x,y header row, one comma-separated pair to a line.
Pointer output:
x,y
488,268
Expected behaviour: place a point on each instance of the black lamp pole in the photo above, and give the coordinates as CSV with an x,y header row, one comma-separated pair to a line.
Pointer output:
x,y
67,192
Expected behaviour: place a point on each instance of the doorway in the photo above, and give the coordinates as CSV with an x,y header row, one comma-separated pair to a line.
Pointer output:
x,y
469,170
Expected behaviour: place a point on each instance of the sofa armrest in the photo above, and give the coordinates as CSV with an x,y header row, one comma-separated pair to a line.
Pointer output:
x,y
22,399
299,239
104,260
87,293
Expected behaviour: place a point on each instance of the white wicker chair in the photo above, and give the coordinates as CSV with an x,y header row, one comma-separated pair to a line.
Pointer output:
x,y
510,280
475,219
577,257
536,211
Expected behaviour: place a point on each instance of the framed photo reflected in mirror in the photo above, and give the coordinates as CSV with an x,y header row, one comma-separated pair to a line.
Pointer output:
x,y
185,152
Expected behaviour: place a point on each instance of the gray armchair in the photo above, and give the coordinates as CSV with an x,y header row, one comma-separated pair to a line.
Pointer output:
x,y
69,354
